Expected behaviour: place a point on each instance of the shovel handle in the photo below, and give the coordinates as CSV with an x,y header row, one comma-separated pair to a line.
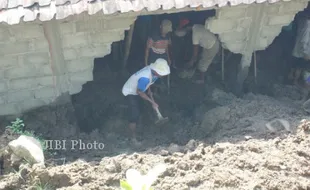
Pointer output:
x,y
158,113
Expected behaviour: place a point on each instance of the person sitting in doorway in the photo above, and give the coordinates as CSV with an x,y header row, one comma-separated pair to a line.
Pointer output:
x,y
135,87
201,37
301,51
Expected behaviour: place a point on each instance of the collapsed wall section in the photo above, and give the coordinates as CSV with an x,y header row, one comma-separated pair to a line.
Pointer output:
x,y
84,38
236,25
25,70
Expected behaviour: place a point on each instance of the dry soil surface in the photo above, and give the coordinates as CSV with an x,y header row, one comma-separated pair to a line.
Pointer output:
x,y
226,146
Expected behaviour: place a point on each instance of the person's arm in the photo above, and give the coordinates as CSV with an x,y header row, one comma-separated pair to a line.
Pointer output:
x,y
195,41
147,50
306,41
142,87
169,51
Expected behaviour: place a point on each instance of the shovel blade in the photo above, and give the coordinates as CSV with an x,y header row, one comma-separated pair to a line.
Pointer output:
x,y
162,121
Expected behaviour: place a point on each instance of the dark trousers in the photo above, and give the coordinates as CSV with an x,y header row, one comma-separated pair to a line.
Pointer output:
x,y
134,108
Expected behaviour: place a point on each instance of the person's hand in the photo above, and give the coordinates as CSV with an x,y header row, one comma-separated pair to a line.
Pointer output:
x,y
155,105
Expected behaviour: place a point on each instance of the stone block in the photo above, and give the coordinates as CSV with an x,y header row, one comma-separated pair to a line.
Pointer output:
x,y
94,51
81,77
3,86
232,12
8,61
67,28
120,23
19,96
19,84
19,72
221,26
44,92
15,48
70,54
281,20
105,37
27,31
36,58
234,36
9,109
97,25
75,40
292,6
80,64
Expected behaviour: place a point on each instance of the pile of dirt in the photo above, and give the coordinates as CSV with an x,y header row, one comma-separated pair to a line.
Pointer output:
x,y
223,144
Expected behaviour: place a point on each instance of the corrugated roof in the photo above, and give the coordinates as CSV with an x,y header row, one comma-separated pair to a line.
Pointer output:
x,y
12,11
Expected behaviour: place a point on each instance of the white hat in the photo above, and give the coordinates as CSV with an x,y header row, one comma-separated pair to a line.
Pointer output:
x,y
161,67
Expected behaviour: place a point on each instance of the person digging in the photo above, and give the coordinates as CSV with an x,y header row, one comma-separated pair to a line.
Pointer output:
x,y
136,87
201,37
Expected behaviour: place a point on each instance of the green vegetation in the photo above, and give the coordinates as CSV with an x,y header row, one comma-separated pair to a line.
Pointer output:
x,y
18,126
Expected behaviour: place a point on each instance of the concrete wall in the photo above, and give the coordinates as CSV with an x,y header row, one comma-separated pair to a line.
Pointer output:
x,y
245,28
39,62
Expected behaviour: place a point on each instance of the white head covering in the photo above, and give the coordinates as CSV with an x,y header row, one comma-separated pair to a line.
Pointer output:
x,y
161,67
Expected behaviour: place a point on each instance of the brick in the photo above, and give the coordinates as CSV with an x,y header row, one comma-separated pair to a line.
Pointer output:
x,y
105,37
39,45
281,20
19,72
3,86
92,25
94,51
220,26
45,92
19,84
292,6
4,35
82,77
273,9
67,28
36,58
45,70
70,54
27,31
8,61
270,31
234,36
245,22
75,88
19,96
232,12
46,81
76,40
122,23
80,64
15,48
3,99
8,109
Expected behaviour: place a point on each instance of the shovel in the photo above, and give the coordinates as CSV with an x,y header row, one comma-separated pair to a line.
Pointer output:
x,y
161,120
